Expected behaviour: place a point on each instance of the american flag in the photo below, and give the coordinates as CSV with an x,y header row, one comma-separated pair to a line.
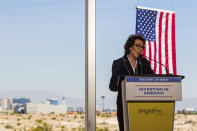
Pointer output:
x,y
158,28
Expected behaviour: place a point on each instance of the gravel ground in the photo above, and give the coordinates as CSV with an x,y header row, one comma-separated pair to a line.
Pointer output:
x,y
76,122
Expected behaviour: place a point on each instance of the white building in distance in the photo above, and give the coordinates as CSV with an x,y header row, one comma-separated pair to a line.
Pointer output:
x,y
188,111
45,108
5,104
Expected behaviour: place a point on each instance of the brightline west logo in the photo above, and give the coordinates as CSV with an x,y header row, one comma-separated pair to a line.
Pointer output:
x,y
148,111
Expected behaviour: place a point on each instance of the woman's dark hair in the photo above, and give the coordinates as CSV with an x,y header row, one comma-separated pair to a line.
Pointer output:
x,y
130,42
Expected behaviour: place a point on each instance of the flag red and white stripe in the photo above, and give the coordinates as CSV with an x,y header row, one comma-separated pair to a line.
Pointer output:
x,y
162,48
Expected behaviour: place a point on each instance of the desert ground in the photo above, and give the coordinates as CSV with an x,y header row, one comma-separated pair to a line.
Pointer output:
x,y
76,122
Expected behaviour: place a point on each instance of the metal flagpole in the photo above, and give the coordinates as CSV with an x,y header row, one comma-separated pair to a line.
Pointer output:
x,y
90,65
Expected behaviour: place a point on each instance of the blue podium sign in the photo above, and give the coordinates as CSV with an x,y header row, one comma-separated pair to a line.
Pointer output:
x,y
153,79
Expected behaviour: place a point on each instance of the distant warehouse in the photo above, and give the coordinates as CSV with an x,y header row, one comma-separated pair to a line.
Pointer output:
x,y
45,108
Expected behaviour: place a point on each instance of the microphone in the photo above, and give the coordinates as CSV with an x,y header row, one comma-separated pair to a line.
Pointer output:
x,y
157,62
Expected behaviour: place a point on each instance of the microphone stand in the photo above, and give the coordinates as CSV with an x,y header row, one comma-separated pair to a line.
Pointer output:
x,y
158,63
140,63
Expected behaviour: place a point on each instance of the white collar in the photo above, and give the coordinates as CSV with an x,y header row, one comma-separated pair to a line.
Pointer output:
x,y
132,65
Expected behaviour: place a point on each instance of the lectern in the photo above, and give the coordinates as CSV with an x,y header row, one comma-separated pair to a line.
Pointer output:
x,y
149,102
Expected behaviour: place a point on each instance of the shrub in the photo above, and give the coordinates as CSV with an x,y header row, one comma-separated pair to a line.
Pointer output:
x,y
29,117
81,129
53,118
44,127
82,117
9,127
101,129
75,116
38,121
188,122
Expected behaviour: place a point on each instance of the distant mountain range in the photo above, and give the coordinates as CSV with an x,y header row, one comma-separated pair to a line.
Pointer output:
x,y
109,102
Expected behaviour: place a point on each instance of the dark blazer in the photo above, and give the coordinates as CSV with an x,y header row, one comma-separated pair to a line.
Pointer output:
x,y
122,67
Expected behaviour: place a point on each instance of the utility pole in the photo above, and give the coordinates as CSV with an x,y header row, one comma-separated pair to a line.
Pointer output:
x,y
103,97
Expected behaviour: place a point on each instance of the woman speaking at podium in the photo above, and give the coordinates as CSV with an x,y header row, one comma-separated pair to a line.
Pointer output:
x,y
132,63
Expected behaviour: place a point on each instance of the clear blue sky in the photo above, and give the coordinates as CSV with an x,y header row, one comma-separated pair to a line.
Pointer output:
x,y
42,43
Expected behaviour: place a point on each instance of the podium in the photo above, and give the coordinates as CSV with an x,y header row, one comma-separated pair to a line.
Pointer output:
x,y
149,102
